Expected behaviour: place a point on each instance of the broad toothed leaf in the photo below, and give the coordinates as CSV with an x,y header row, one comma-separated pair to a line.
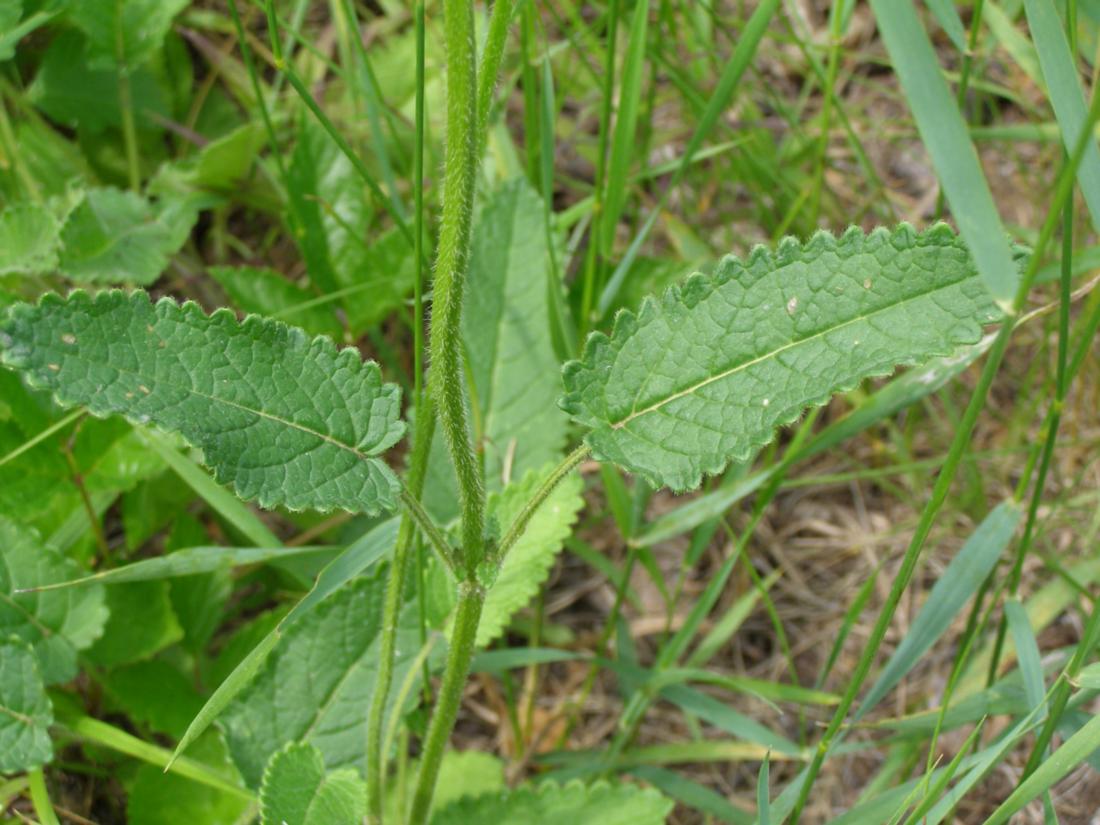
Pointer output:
x,y
706,373
289,420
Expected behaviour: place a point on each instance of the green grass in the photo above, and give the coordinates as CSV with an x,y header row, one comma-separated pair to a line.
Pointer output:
x,y
871,619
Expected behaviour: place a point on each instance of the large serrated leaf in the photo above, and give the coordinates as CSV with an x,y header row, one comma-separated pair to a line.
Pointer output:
x,y
25,710
551,804
297,791
704,375
55,624
288,420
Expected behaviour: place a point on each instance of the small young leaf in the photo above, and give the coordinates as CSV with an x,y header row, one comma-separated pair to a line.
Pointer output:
x,y
115,237
25,710
527,564
288,420
28,240
551,804
705,374
56,624
297,791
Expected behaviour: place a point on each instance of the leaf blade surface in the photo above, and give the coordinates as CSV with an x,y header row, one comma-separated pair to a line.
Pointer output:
x,y
288,420
706,373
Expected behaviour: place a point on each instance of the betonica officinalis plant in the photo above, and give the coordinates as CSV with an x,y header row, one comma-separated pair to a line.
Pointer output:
x,y
257,553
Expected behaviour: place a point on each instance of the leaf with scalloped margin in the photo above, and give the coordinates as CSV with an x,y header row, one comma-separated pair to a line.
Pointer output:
x,y
56,624
25,710
706,373
287,419
297,791
552,804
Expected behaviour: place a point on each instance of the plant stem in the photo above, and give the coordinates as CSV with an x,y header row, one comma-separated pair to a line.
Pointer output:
x,y
471,598
40,798
515,530
445,381
391,609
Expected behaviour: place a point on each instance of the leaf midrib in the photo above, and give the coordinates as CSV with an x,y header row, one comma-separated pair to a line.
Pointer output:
x,y
260,413
693,388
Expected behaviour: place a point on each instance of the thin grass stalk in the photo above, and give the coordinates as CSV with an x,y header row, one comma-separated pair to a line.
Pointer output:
x,y
940,490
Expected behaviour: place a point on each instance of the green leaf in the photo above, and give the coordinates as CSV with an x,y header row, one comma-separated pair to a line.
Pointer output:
x,y
297,791
266,292
125,32
287,420
552,804
220,166
506,327
141,622
317,684
75,93
254,648
25,710
57,624
114,237
528,563
153,693
28,240
461,774
944,133
705,374
190,561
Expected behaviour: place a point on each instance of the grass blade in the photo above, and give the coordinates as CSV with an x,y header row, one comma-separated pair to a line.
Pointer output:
x,y
1064,90
962,578
349,564
188,562
945,135
626,121
1075,751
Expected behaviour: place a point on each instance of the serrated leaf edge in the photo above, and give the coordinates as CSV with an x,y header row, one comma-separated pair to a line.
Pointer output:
x,y
222,315
697,287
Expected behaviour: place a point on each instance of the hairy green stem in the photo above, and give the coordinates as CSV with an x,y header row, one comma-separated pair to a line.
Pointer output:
x,y
516,529
471,599
445,381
